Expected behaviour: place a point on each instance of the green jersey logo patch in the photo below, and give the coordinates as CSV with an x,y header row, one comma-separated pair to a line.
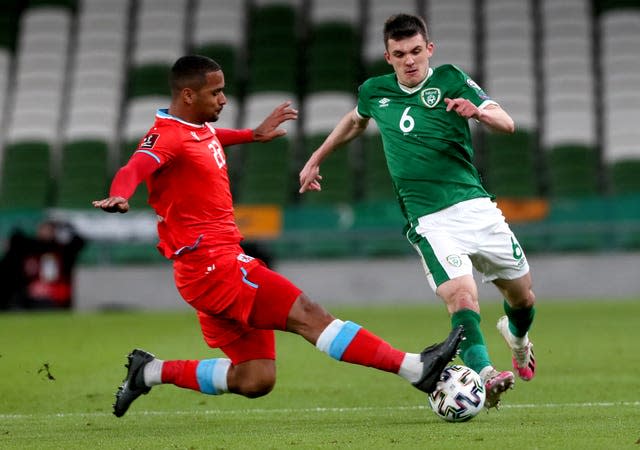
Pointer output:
x,y
430,97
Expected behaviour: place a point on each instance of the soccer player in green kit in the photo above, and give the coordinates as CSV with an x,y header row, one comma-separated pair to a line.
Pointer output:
x,y
451,220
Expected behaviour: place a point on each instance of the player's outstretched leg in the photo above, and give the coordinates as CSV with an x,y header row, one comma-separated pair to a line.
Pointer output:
x,y
133,385
436,358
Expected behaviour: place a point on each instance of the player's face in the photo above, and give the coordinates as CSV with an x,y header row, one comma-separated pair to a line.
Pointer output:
x,y
409,58
209,100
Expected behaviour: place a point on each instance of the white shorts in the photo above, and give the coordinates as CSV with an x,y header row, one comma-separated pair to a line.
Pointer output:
x,y
467,235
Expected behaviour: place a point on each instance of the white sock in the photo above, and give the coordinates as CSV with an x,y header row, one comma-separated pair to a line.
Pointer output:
x,y
411,367
486,372
153,372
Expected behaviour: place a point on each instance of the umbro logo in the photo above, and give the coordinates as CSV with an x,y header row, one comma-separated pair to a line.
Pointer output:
x,y
384,102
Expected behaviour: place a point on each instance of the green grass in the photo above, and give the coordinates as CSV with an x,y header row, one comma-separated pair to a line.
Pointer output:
x,y
586,393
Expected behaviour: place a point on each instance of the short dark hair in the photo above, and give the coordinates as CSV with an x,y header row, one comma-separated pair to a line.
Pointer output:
x,y
191,72
402,26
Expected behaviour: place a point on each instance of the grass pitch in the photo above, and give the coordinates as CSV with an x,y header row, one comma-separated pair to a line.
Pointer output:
x,y
59,372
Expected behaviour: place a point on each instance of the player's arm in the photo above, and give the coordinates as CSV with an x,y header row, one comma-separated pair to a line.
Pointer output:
x,y
350,126
124,184
492,115
264,132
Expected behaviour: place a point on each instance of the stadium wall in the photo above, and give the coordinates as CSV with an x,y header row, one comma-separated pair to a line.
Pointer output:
x,y
374,282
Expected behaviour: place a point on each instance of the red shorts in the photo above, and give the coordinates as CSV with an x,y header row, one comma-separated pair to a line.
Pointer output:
x,y
239,300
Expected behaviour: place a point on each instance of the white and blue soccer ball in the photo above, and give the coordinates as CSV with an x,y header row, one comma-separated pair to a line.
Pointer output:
x,y
459,396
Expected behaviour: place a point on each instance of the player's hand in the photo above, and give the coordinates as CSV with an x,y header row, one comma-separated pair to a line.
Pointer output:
x,y
462,107
268,129
310,178
112,204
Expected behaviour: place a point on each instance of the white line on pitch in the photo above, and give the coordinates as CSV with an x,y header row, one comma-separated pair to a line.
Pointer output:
x,y
308,410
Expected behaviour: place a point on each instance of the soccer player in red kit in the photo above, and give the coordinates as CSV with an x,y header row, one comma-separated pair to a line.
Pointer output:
x,y
238,300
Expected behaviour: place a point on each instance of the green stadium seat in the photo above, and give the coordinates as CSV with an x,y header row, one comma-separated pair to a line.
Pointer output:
x,y
9,18
625,176
333,54
338,179
272,49
266,176
83,175
573,171
149,79
510,165
26,176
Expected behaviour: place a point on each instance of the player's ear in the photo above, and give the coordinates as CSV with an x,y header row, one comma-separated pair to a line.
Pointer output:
x,y
387,57
187,95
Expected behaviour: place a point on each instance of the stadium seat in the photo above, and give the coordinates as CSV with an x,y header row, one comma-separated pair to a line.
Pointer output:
x,y
149,80
510,165
624,176
509,69
619,46
26,175
83,174
343,11
41,66
567,62
272,49
573,171
266,175
452,26
332,58
10,11
159,32
338,177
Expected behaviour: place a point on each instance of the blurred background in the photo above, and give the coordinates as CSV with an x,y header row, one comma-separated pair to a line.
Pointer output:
x,y
80,81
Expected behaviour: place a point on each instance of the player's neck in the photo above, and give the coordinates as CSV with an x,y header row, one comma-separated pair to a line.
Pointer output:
x,y
184,115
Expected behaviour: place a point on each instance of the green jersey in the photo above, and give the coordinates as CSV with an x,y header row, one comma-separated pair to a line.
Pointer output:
x,y
428,150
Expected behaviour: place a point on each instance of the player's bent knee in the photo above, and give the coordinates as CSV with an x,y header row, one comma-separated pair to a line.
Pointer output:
x,y
257,387
307,317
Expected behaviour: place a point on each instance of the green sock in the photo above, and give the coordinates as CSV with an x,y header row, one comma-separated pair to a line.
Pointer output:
x,y
473,350
520,319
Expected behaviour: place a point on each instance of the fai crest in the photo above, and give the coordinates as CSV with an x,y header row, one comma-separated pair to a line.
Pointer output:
x,y
430,97
454,260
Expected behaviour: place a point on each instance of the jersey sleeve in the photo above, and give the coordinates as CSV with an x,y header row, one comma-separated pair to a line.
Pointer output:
x,y
160,145
131,175
228,136
363,101
470,90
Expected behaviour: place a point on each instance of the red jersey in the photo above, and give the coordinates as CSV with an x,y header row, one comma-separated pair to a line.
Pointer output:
x,y
190,189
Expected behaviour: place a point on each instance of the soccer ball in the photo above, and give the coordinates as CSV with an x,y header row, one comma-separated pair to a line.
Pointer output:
x,y
459,396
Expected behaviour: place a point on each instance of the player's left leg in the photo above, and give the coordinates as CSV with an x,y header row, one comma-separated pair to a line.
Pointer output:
x,y
519,306
249,370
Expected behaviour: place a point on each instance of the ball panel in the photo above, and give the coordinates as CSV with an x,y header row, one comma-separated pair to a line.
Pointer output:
x,y
459,396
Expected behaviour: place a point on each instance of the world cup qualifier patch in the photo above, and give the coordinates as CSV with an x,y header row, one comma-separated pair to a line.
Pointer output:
x,y
149,140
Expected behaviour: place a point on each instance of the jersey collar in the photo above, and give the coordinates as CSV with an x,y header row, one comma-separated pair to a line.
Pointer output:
x,y
417,87
163,113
